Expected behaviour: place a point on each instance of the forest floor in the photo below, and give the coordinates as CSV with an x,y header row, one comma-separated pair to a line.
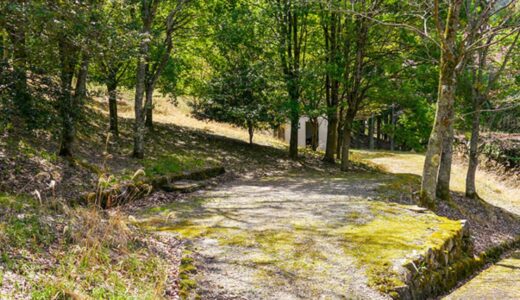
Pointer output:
x,y
270,228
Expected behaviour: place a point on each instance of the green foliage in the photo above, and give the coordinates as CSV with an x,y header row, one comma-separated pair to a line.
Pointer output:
x,y
239,88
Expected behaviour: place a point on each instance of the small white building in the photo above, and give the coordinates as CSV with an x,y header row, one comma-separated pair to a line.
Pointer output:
x,y
304,132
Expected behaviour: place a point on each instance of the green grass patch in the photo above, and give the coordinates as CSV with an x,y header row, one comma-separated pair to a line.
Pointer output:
x,y
390,236
175,163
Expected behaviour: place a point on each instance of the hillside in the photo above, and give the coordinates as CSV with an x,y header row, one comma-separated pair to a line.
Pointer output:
x,y
275,222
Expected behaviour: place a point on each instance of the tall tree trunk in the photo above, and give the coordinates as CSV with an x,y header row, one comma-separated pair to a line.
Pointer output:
x,y
371,132
148,106
339,144
444,176
378,132
445,101
332,87
332,135
139,126
112,105
80,92
347,136
392,134
471,190
315,133
440,129
67,109
250,130
293,143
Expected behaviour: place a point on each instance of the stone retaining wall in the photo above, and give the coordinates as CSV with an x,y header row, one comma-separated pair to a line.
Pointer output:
x,y
439,269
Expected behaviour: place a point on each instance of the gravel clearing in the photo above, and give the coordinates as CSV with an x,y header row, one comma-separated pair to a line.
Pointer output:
x,y
292,236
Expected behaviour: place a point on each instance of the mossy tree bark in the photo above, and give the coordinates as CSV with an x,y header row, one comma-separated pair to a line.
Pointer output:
x,y
331,29
67,105
347,136
148,10
445,101
444,176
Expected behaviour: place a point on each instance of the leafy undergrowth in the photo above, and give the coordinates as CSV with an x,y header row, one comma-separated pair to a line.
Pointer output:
x,y
51,251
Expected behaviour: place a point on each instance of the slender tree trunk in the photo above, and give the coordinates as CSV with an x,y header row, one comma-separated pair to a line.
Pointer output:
x,y
139,126
347,135
112,106
293,143
148,106
438,134
332,88
332,135
80,92
339,144
392,134
385,122
444,176
378,132
315,133
67,109
471,190
445,101
250,130
371,132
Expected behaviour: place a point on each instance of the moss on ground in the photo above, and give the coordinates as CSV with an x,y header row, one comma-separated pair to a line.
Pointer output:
x,y
379,237
175,163
392,236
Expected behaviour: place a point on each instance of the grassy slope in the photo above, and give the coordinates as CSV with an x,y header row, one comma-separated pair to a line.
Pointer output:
x,y
489,188
48,249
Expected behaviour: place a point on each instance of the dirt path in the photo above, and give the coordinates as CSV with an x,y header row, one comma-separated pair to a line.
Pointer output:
x,y
300,236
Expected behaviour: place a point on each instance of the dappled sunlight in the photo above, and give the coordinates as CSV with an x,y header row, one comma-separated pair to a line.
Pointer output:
x,y
489,187
308,235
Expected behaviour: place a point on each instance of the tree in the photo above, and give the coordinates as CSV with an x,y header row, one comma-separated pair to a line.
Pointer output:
x,y
332,23
366,53
238,91
74,33
483,81
118,41
456,46
148,71
291,20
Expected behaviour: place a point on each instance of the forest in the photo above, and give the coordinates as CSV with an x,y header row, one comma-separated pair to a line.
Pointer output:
x,y
259,149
